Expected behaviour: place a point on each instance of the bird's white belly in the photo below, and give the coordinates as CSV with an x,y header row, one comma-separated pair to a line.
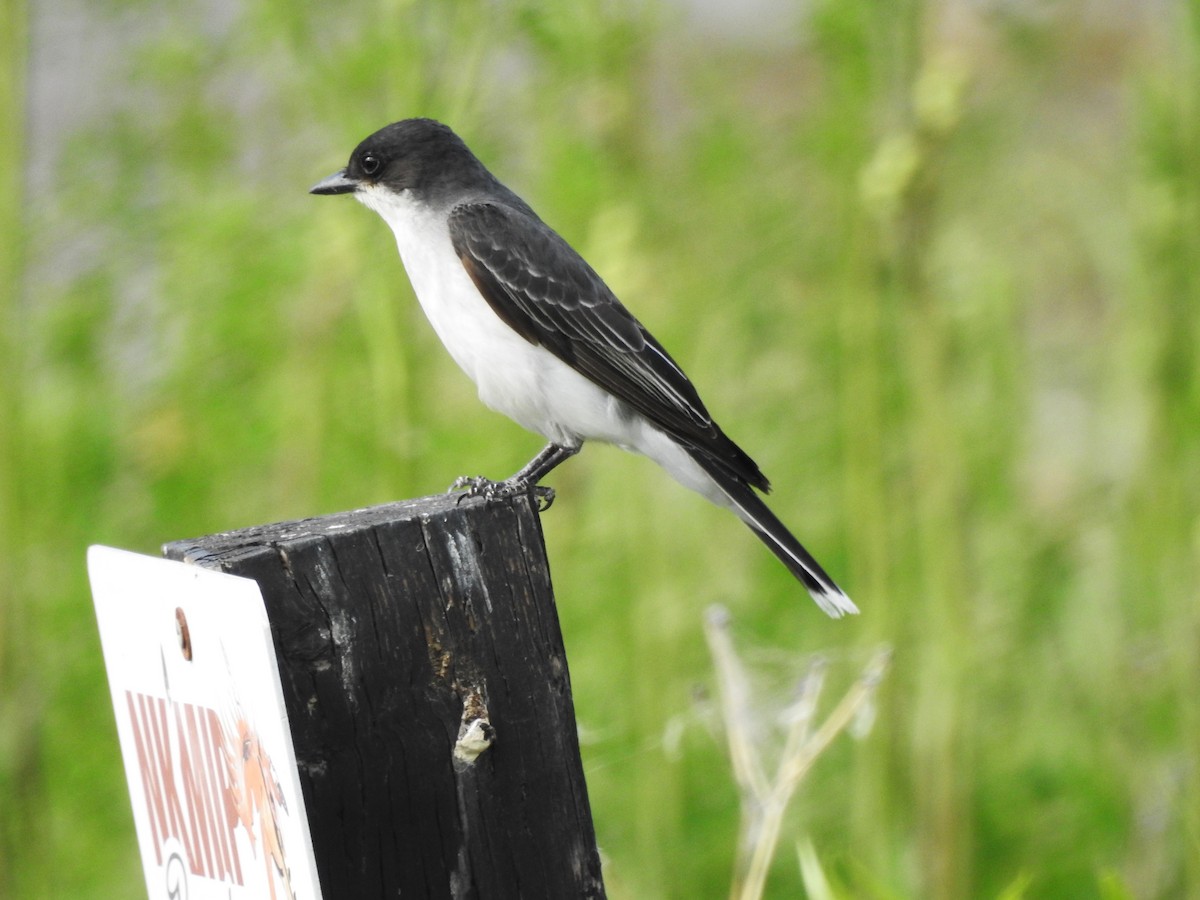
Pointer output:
x,y
523,381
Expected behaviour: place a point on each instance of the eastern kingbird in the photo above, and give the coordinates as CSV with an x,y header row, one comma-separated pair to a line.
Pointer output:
x,y
542,336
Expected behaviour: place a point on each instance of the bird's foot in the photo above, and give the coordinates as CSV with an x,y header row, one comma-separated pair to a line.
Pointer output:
x,y
478,486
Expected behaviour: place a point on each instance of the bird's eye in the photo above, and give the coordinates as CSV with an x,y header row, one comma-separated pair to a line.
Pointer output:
x,y
371,164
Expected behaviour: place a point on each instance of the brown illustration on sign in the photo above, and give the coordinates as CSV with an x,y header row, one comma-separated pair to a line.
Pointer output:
x,y
203,778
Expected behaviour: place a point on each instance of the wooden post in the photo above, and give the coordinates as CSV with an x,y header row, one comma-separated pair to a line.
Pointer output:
x,y
430,705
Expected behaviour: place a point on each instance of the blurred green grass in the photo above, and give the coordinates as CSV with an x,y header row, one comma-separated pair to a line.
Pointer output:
x,y
934,265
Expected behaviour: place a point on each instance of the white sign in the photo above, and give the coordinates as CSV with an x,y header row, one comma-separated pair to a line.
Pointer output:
x,y
203,729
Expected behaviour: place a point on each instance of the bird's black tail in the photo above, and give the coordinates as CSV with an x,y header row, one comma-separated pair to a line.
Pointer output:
x,y
764,523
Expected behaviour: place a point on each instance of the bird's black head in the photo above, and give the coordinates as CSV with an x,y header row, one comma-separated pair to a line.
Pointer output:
x,y
421,156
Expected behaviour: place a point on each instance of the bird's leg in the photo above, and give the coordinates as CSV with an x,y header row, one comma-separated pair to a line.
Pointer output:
x,y
550,457
523,481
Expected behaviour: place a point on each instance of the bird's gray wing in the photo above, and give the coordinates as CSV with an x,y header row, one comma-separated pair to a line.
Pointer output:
x,y
548,294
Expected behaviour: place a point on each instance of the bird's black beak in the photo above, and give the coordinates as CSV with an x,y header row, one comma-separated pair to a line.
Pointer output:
x,y
337,183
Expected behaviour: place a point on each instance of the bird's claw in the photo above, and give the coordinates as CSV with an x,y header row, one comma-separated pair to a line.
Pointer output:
x,y
478,486
470,485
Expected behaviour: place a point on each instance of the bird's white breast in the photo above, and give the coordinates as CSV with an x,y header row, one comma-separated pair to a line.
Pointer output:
x,y
514,377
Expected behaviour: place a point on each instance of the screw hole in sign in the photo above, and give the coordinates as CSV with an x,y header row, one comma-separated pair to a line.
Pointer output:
x,y
185,636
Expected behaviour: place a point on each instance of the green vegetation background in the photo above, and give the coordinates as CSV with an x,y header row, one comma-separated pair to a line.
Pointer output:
x,y
936,265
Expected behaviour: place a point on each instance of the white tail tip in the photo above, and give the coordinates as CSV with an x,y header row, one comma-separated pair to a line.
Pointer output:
x,y
834,603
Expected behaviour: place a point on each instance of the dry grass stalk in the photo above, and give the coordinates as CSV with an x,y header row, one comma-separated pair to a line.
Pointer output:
x,y
764,801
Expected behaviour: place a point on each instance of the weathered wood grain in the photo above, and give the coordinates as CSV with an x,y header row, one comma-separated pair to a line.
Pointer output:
x,y
430,704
